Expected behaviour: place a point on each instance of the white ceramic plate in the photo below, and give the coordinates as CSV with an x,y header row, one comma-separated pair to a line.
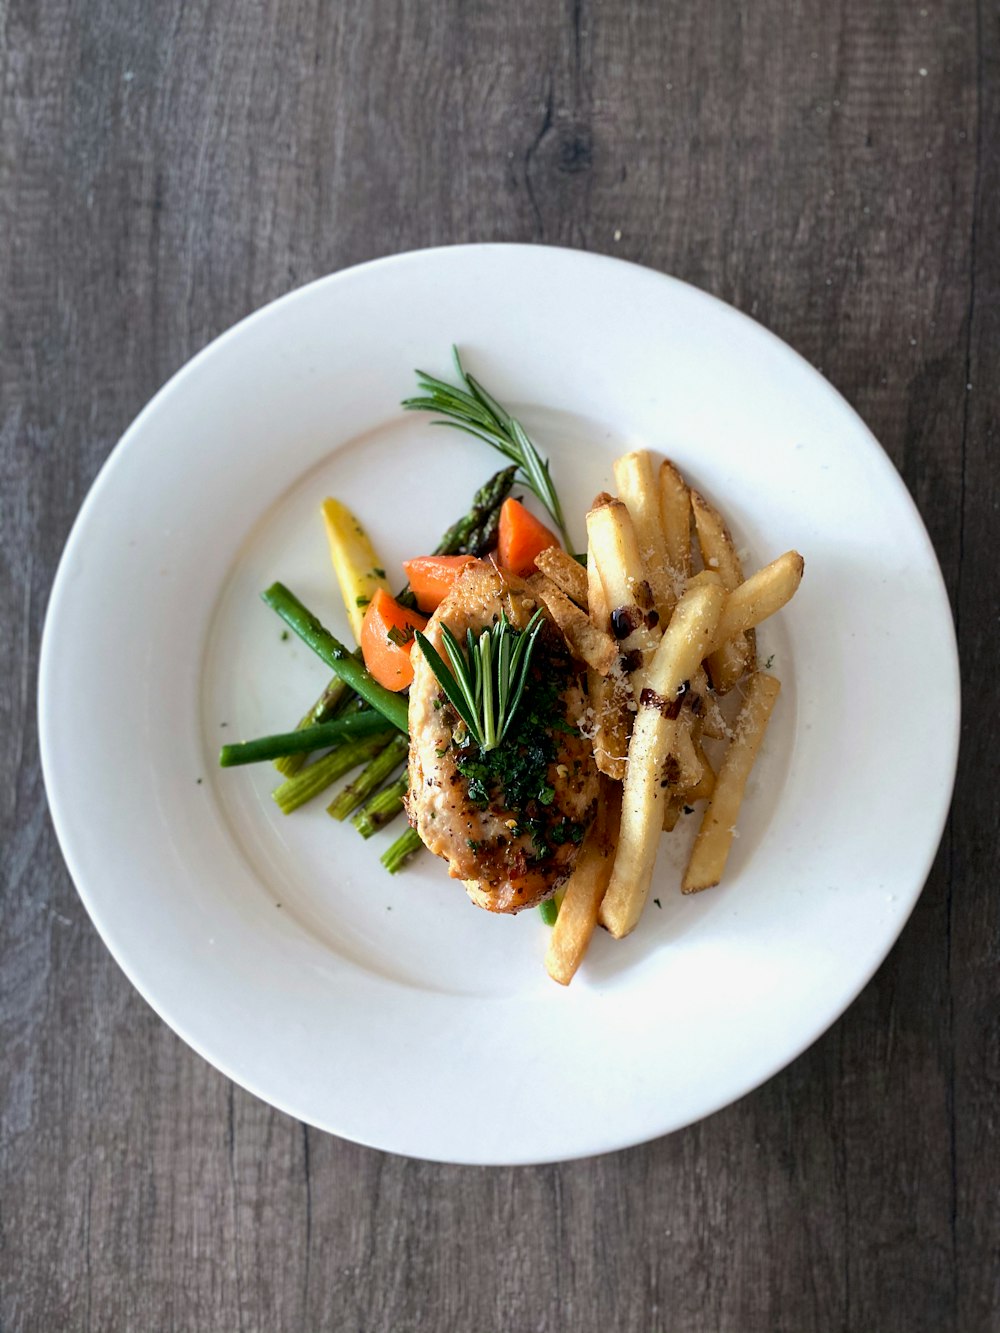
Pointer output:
x,y
390,1010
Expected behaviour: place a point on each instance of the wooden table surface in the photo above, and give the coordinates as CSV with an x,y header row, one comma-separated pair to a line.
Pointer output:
x,y
831,167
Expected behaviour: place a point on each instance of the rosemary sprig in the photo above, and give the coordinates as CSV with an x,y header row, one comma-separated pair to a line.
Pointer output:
x,y
487,679
472,409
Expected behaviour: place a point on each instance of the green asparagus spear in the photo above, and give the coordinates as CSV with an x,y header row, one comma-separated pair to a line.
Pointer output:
x,y
341,661
399,852
382,766
548,911
474,534
319,775
383,807
469,407
353,727
334,697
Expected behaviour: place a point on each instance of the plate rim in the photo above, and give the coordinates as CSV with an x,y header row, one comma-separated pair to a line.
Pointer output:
x,y
60,589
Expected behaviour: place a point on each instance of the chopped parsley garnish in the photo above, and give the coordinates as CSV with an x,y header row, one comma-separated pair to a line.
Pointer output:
x,y
515,775
400,637
560,724
566,830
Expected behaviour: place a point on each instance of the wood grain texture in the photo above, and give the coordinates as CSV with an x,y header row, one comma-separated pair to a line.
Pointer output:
x,y
831,168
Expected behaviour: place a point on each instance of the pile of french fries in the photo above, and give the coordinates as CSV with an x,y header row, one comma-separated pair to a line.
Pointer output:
x,y
662,642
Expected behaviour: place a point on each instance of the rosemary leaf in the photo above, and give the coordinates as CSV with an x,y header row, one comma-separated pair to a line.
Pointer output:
x,y
486,681
447,682
473,409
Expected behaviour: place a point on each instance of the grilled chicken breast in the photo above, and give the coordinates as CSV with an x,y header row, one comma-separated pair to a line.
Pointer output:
x,y
509,823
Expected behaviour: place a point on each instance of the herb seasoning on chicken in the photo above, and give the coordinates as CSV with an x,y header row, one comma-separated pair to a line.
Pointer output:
x,y
509,819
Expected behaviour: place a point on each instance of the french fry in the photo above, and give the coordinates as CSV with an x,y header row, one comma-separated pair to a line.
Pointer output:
x,y
714,727
715,836
615,549
675,520
587,643
565,572
640,495
694,778
684,753
609,696
718,551
704,576
703,788
617,585
672,813
713,724
584,890
727,664
654,736
760,596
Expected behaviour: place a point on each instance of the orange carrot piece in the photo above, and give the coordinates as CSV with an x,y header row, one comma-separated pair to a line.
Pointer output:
x,y
387,638
432,577
522,538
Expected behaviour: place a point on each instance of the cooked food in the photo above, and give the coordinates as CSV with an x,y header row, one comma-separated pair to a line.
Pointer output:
x,y
355,563
559,706
635,621
510,820
566,573
591,645
675,516
609,695
585,888
715,836
638,493
734,659
761,596
652,754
